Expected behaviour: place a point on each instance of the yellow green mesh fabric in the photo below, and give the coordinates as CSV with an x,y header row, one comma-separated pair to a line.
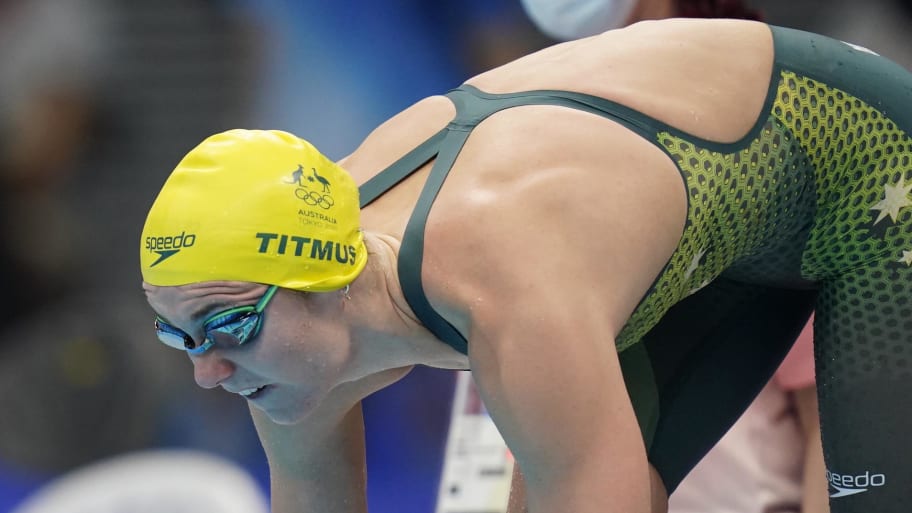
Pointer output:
x,y
849,142
861,241
752,210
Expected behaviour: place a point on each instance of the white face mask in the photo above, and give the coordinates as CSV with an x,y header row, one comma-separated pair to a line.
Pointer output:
x,y
573,19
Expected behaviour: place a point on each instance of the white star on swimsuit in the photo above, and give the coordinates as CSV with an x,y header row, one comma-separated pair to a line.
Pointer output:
x,y
699,287
896,197
906,258
694,264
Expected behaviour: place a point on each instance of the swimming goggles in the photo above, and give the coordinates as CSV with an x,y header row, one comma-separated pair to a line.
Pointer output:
x,y
241,324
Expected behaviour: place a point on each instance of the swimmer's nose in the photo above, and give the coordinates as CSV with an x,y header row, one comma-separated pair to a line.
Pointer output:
x,y
210,369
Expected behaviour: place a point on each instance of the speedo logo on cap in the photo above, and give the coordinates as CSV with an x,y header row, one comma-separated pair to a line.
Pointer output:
x,y
316,249
843,485
168,246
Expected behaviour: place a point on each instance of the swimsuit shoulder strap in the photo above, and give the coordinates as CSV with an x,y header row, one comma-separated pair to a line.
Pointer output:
x,y
472,107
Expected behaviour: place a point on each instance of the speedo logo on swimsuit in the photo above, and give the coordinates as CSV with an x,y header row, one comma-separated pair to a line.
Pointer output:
x,y
298,246
843,485
169,245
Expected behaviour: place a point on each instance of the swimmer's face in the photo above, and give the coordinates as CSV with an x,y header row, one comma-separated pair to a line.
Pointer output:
x,y
286,369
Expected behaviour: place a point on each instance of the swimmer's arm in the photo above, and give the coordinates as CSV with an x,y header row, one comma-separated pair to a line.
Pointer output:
x,y
316,466
551,380
549,270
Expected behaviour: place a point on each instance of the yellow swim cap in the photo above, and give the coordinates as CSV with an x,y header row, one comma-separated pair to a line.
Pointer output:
x,y
257,206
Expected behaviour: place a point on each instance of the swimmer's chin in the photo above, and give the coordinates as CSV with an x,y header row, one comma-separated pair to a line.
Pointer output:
x,y
291,414
285,417
287,420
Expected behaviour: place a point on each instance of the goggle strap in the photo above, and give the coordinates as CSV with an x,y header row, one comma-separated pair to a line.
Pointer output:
x,y
261,304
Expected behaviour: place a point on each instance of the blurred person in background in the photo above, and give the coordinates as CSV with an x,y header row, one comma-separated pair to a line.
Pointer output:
x,y
573,19
881,24
87,87
53,62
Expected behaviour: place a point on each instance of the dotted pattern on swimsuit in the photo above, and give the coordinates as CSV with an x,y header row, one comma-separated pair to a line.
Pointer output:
x,y
862,238
746,207
861,249
850,142
859,194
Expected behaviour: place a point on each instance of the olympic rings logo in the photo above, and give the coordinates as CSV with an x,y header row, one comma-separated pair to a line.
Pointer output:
x,y
314,198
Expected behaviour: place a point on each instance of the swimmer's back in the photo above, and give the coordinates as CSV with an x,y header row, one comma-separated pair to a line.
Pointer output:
x,y
708,78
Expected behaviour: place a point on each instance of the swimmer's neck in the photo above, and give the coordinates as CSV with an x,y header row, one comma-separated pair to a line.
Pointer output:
x,y
384,318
